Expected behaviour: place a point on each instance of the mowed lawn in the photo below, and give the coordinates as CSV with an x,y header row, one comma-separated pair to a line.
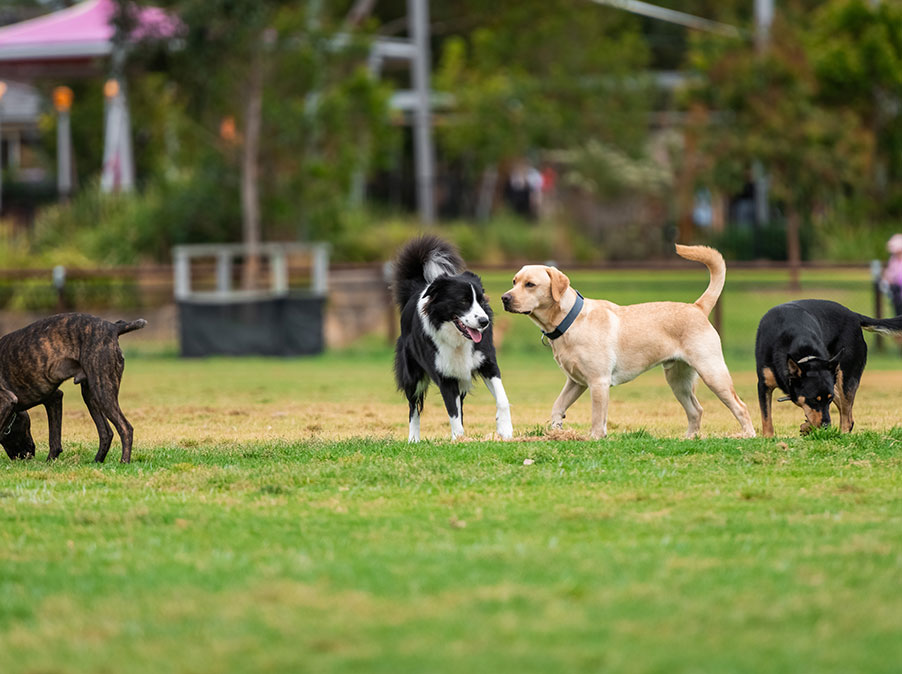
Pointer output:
x,y
274,519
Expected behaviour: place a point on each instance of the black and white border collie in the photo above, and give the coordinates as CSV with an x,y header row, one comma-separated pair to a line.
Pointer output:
x,y
446,333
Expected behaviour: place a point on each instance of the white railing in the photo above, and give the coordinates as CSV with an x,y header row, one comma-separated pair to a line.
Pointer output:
x,y
226,254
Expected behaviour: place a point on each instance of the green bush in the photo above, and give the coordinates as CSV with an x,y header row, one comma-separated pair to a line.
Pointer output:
x,y
757,243
362,240
853,241
506,238
34,294
96,229
126,229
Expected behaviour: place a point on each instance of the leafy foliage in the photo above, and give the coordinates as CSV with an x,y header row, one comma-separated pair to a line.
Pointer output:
x,y
324,117
819,109
528,79
856,51
604,171
192,208
535,76
768,109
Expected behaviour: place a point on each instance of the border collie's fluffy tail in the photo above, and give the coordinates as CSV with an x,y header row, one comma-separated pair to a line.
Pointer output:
x,y
886,326
421,261
716,267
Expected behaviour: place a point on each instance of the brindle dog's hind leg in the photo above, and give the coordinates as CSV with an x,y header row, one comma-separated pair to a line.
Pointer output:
x,y
54,406
103,382
104,432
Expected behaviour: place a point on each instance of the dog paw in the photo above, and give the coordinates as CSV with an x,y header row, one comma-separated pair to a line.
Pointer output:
x,y
503,425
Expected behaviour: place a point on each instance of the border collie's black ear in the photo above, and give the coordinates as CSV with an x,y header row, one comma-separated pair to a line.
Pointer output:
x,y
794,370
473,279
433,288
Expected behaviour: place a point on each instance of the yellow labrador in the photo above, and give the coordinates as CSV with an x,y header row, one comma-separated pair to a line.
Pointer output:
x,y
604,344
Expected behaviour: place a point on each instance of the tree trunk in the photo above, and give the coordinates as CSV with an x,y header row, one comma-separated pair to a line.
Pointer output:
x,y
359,12
793,248
486,195
250,183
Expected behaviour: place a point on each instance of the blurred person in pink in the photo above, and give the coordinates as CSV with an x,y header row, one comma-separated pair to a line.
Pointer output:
x,y
892,275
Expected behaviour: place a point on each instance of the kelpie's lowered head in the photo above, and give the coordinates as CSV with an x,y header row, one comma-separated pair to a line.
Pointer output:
x,y
812,381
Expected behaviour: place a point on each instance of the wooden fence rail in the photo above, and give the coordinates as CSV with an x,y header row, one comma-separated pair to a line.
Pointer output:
x,y
359,297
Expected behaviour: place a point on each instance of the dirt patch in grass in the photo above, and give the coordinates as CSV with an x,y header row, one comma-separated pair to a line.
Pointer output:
x,y
646,406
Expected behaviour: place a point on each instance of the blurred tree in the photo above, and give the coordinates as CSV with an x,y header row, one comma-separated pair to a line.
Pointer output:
x,y
856,52
329,123
534,76
87,129
279,97
769,107
669,42
13,11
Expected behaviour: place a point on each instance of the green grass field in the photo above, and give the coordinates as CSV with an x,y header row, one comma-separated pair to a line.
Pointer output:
x,y
275,520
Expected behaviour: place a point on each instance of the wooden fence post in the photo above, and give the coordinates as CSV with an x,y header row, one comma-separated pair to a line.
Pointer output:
x,y
392,334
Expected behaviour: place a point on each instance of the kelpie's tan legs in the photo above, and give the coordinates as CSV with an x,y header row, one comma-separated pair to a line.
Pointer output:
x,y
844,401
765,403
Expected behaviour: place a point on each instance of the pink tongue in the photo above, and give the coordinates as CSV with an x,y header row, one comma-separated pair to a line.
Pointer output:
x,y
474,334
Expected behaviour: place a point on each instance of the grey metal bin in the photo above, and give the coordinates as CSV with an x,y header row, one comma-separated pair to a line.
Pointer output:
x,y
277,321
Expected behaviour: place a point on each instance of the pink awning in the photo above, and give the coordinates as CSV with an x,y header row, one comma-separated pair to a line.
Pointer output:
x,y
82,31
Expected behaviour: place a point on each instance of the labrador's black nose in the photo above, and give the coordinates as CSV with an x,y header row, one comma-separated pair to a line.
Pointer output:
x,y
483,321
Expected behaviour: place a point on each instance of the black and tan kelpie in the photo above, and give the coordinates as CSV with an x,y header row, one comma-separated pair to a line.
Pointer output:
x,y
813,351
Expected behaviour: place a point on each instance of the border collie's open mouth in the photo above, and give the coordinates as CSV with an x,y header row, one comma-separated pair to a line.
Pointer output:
x,y
467,331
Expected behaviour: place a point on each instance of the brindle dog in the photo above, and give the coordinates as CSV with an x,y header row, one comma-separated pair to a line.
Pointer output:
x,y
35,360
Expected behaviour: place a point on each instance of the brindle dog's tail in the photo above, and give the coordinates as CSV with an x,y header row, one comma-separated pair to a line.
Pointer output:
x,y
122,327
716,267
885,326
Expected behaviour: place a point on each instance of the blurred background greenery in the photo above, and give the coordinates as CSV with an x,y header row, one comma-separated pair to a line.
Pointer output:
x,y
645,132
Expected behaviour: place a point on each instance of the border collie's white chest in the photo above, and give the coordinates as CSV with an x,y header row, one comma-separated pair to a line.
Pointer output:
x,y
456,356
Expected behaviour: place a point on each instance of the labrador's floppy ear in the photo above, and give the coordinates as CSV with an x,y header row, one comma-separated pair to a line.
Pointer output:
x,y
559,283
794,369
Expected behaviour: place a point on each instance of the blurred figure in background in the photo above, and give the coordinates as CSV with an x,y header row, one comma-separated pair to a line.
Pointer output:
x,y
523,190
892,275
